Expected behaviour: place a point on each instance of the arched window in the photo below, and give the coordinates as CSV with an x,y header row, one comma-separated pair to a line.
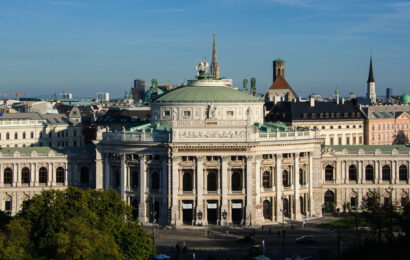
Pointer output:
x,y
187,181
329,173
302,180
329,201
84,175
386,173
155,181
8,176
117,178
24,135
369,173
352,173
7,136
60,175
42,173
403,173
25,175
16,135
285,178
267,210
266,180
236,180
134,178
32,135
212,180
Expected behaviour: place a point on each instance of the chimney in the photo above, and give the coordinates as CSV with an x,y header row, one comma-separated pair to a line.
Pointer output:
x,y
312,102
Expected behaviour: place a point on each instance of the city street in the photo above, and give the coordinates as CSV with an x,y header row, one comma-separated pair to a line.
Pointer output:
x,y
221,242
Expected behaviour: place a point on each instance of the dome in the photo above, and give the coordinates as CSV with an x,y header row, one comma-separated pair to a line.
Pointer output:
x,y
405,99
206,94
150,94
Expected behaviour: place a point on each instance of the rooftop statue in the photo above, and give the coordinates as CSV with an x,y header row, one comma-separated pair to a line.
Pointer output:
x,y
202,67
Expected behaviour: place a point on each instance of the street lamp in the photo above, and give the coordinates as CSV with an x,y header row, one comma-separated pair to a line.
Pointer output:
x,y
199,214
224,214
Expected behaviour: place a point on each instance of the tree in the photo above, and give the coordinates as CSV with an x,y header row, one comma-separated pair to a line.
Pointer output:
x,y
66,223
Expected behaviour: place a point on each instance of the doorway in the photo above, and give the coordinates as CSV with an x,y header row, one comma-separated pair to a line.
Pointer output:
x,y
212,212
237,212
187,213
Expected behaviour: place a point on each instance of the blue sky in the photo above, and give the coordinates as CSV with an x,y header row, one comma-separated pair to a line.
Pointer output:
x,y
98,45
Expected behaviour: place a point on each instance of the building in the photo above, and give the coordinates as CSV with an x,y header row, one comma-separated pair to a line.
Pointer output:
x,y
339,122
384,123
34,129
138,90
103,97
280,90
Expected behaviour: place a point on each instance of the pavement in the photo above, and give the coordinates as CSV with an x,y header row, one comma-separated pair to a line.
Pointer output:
x,y
220,242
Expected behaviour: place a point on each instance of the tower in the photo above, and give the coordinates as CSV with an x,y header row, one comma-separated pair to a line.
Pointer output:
x,y
278,69
371,85
214,65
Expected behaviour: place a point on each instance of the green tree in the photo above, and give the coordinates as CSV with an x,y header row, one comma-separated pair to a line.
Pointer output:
x,y
16,240
58,219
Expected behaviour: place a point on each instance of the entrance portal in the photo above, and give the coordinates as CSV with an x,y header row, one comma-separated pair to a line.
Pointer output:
x,y
187,213
212,212
237,212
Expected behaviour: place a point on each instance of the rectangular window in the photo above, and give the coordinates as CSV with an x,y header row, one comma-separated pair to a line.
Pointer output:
x,y
7,205
167,113
187,113
229,113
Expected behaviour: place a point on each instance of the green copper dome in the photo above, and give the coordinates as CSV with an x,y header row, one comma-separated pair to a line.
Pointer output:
x,y
405,99
206,94
151,94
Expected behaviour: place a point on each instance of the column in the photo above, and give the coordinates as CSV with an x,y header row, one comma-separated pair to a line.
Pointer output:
x,y
311,201
164,204
107,171
15,174
378,172
1,181
296,191
362,173
35,175
224,184
143,186
258,179
75,176
99,170
67,169
174,194
393,172
250,213
200,185
278,182
18,170
123,176
50,173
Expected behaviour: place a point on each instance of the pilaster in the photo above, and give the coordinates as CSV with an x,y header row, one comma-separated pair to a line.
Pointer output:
x,y
297,186
142,210
279,188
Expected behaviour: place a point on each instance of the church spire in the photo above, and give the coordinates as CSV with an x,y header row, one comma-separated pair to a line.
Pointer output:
x,y
371,78
214,65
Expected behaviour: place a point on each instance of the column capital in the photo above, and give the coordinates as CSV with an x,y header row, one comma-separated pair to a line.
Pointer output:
x,y
279,156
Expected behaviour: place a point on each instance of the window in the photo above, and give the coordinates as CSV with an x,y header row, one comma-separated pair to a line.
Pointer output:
x,y
42,175
386,173
212,180
353,203
266,180
7,207
187,180
229,113
117,178
403,173
25,175
285,178
24,135
8,176
60,175
236,180
74,132
16,135
369,173
347,140
187,113
352,173
329,173
32,135
134,178
302,180
50,134
167,113
84,175
155,181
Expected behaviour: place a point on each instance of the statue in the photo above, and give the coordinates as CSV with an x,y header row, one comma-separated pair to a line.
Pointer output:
x,y
253,86
202,67
211,111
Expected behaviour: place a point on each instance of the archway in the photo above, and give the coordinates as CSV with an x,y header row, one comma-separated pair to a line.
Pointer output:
x,y
236,180
212,180
267,209
329,205
25,175
352,173
386,173
187,181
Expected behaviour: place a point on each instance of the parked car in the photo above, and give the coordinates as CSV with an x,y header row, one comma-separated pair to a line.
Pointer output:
x,y
246,240
305,239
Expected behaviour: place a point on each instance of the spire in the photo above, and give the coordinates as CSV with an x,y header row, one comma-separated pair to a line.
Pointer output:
x,y
371,78
214,65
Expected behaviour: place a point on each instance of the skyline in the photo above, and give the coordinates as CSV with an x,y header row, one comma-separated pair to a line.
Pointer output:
x,y
85,47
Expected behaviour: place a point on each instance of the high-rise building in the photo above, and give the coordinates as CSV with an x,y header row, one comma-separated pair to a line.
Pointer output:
x,y
103,97
138,90
389,92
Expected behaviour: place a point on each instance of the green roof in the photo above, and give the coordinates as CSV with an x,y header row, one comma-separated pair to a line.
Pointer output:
x,y
272,127
206,94
369,148
405,98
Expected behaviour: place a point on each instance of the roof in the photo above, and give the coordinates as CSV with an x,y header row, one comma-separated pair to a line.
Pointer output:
x,y
323,111
405,98
368,148
206,94
47,149
30,116
281,83
385,112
